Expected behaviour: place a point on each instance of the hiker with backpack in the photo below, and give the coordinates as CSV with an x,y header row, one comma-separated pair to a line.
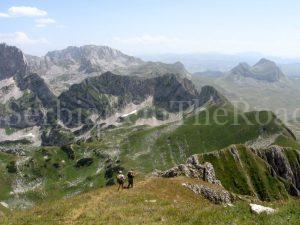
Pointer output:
x,y
130,176
120,180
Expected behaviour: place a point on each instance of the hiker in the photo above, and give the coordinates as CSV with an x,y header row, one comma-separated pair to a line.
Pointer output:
x,y
130,176
121,180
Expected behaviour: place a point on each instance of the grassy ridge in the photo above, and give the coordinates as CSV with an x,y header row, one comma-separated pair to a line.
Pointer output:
x,y
166,146
153,201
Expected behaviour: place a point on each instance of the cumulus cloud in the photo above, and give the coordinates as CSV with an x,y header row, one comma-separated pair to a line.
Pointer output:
x,y
20,39
24,11
43,22
28,11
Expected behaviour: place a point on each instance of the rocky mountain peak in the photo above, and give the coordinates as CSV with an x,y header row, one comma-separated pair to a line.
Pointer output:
x,y
264,70
241,68
12,62
265,61
80,54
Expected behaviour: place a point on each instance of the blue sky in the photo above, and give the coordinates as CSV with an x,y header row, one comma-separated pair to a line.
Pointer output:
x,y
271,27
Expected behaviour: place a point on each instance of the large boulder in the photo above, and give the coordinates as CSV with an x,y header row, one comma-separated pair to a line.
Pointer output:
x,y
258,209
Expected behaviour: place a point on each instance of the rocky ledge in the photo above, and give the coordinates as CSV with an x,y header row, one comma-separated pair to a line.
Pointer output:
x,y
192,169
205,172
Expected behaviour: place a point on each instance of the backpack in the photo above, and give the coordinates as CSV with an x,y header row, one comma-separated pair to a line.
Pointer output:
x,y
120,178
130,174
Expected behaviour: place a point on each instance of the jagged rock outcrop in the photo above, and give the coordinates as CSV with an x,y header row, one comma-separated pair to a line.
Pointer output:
x,y
205,172
217,196
286,164
12,62
192,169
264,70
14,150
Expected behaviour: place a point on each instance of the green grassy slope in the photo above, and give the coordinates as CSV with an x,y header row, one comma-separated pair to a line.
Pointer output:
x,y
166,146
245,173
153,201
5,178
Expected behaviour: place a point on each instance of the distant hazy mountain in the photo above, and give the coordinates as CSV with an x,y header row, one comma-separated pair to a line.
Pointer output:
x,y
199,62
62,68
224,62
263,86
264,70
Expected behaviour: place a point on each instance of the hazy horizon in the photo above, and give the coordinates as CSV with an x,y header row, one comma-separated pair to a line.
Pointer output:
x,y
154,27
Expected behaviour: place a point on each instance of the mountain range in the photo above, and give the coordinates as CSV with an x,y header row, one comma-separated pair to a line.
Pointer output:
x,y
62,68
32,104
201,62
72,119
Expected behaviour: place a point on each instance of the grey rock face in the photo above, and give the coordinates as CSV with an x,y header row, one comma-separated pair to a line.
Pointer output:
x,y
14,150
27,110
285,167
36,84
213,195
192,169
12,62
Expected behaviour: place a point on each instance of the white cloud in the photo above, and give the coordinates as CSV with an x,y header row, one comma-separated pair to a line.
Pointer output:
x,y
20,39
27,11
43,22
23,11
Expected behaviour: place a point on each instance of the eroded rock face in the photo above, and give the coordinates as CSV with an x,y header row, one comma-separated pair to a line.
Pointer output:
x,y
213,195
12,62
192,169
13,150
287,168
